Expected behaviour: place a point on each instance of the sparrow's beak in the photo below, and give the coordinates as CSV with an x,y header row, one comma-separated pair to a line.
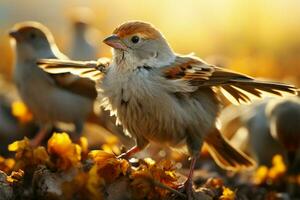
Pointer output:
x,y
115,42
13,34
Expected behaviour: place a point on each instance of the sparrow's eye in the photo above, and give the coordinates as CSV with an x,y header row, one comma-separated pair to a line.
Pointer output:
x,y
32,35
135,39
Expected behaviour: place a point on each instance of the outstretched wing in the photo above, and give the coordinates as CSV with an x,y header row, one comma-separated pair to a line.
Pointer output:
x,y
235,86
87,69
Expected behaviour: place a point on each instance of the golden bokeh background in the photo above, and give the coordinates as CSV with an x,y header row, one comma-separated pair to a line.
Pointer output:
x,y
261,38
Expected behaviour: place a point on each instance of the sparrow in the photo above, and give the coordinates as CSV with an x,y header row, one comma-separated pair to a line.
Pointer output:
x,y
164,97
248,127
82,46
284,120
51,98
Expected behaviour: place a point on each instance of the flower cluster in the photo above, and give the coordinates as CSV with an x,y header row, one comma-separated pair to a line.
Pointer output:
x,y
270,175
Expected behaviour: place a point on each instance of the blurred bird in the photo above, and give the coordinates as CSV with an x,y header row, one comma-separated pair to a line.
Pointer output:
x,y
160,96
257,120
85,35
51,98
248,128
284,119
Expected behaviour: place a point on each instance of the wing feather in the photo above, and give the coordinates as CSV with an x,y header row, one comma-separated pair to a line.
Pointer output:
x,y
75,84
240,87
188,68
75,76
86,69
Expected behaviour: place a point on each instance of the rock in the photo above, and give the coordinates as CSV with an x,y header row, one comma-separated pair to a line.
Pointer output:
x,y
47,185
119,190
6,191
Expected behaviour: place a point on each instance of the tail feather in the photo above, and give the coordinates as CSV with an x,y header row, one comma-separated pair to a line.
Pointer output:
x,y
225,155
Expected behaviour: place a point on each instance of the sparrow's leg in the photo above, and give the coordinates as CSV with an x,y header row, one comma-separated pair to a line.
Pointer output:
x,y
291,156
130,152
194,144
40,136
78,128
188,185
292,173
141,144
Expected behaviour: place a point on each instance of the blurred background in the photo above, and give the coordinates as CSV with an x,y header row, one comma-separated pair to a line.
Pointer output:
x,y
257,37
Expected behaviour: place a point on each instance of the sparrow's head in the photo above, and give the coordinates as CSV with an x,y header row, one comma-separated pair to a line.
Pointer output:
x,y
32,39
139,43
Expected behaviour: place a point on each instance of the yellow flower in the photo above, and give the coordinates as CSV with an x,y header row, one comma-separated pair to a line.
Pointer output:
x,y
111,145
273,174
149,171
106,169
26,156
15,176
40,155
6,165
260,175
19,145
65,153
95,183
227,194
20,111
278,169
108,166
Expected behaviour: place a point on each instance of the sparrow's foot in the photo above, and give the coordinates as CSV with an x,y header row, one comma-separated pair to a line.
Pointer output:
x,y
188,185
129,153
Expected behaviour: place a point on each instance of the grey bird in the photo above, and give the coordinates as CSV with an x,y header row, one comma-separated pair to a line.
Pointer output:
x,y
51,98
84,35
271,128
163,97
248,127
82,46
284,119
